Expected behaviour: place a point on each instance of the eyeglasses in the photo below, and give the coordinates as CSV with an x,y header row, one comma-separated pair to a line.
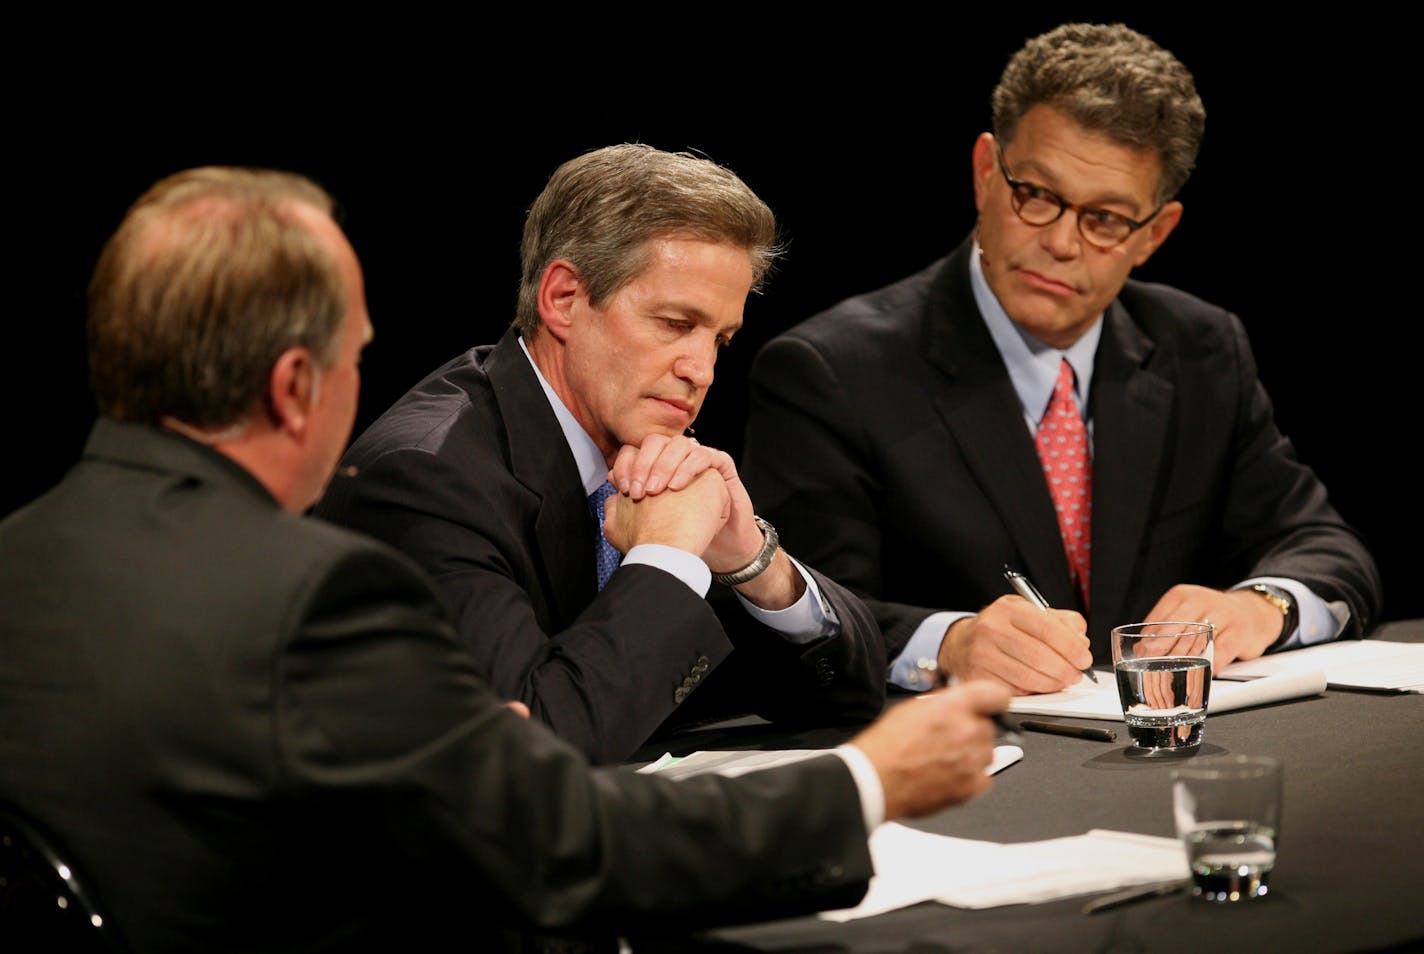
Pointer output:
x,y
1038,206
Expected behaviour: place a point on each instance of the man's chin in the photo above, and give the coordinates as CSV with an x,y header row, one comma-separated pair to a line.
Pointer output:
x,y
658,428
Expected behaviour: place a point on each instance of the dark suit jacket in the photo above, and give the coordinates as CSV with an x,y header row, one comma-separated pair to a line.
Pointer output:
x,y
469,473
256,731
885,436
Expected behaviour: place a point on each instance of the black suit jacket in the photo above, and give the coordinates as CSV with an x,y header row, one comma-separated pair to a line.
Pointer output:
x,y
256,731
469,473
885,435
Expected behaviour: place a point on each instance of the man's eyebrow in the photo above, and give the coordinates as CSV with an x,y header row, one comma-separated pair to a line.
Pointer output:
x,y
1046,178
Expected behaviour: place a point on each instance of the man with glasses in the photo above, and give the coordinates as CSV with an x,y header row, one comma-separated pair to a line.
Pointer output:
x,y
1023,404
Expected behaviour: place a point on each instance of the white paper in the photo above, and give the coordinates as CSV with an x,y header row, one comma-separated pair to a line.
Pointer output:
x,y
913,866
735,762
1099,700
1348,664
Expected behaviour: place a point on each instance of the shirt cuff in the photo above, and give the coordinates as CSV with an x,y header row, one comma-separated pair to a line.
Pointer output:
x,y
924,644
867,782
687,567
808,619
1317,620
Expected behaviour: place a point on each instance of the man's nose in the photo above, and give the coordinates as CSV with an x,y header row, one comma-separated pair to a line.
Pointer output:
x,y
695,366
1061,237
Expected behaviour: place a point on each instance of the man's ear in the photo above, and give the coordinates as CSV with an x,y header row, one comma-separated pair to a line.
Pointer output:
x,y
986,167
1157,231
559,289
293,389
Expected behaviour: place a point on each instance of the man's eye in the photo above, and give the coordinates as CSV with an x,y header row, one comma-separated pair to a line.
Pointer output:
x,y
678,324
1032,193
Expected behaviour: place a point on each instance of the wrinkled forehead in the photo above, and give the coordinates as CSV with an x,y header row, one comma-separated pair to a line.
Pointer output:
x,y
1054,150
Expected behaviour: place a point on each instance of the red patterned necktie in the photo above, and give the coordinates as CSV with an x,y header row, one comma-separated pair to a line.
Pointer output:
x,y
1063,448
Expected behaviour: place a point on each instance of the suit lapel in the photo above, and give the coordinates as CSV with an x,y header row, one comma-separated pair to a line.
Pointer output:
x,y
540,459
970,388
1131,407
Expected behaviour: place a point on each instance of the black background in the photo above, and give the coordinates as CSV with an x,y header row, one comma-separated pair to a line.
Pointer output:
x,y
435,136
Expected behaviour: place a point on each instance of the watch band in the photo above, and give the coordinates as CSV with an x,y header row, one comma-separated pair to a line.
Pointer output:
x,y
1282,601
769,544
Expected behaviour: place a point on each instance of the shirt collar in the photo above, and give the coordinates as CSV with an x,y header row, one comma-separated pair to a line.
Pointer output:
x,y
1033,365
592,468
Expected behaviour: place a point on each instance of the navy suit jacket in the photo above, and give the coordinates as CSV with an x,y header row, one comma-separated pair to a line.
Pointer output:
x,y
469,473
886,436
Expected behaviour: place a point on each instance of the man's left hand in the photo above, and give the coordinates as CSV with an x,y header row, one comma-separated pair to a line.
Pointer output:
x,y
1245,624
668,463
665,463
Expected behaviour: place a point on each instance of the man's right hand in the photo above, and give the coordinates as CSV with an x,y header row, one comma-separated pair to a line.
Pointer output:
x,y
688,518
664,463
1016,644
931,751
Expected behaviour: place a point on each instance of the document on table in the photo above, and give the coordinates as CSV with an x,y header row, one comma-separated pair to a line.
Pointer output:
x,y
913,866
1347,663
1099,700
736,762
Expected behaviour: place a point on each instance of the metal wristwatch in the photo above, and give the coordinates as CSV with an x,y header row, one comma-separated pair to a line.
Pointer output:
x,y
769,544
1282,601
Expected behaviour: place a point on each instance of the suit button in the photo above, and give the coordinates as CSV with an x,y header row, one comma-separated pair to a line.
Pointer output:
x,y
688,682
703,661
701,668
679,695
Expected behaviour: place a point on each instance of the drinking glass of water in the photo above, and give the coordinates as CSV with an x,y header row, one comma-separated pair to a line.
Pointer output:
x,y
1228,812
1163,674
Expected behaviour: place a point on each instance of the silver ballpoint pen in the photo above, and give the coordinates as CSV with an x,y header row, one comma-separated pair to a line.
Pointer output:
x,y
1029,592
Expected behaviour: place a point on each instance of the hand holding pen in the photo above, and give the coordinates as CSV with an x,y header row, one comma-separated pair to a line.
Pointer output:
x,y
929,669
1028,591
1014,643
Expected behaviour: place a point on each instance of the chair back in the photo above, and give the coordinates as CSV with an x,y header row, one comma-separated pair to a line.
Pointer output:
x,y
45,904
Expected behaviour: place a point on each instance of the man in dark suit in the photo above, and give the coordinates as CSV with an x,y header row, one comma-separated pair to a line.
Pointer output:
x,y
256,731
636,266
1023,402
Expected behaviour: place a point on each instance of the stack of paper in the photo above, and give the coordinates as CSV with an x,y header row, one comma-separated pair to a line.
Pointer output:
x,y
1099,700
913,866
1348,664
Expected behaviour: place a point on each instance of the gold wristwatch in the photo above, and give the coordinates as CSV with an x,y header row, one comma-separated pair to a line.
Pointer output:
x,y
1282,601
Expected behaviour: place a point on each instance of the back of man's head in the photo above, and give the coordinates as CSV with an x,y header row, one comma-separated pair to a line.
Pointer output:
x,y
209,278
1111,80
600,209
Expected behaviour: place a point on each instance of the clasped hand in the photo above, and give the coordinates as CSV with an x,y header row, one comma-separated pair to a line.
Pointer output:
x,y
675,491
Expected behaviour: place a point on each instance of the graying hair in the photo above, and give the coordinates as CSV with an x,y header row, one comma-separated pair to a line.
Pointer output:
x,y
601,209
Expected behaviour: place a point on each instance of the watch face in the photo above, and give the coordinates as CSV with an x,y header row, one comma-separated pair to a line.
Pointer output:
x,y
1281,600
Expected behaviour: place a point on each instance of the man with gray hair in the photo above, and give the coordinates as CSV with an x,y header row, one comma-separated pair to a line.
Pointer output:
x,y
1022,403
493,474
253,731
